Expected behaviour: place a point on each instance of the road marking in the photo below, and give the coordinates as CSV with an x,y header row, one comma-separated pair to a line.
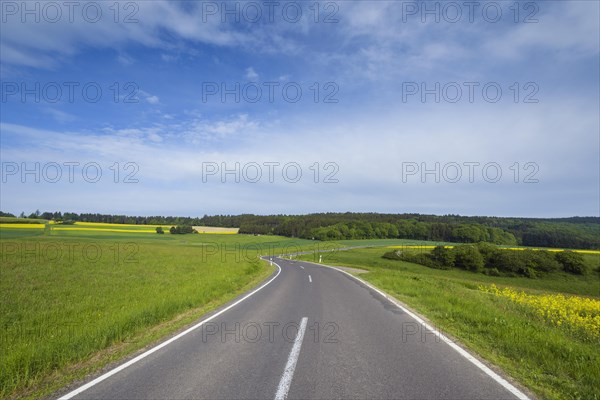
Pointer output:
x,y
163,344
309,279
288,373
301,267
500,380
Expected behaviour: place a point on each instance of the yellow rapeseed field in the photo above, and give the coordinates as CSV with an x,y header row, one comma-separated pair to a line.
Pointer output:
x,y
501,248
571,312
411,246
104,230
22,226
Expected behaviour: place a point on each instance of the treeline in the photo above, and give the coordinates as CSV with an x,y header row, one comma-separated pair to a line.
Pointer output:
x,y
575,232
491,260
111,219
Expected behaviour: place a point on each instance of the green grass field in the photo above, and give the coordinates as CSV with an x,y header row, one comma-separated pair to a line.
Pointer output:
x,y
553,362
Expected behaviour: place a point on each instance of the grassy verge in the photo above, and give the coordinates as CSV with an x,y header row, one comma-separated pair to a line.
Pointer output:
x,y
552,361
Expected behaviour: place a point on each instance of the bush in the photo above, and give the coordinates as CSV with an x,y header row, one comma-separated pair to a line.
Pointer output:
x,y
468,257
540,261
487,250
159,230
182,229
507,261
442,256
571,262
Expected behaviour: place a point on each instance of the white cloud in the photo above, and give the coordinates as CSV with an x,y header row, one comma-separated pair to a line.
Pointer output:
x,y
152,99
251,75
60,116
569,29
125,59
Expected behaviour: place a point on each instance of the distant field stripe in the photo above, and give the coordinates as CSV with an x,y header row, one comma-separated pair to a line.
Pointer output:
x,y
56,228
501,248
215,229
412,246
22,226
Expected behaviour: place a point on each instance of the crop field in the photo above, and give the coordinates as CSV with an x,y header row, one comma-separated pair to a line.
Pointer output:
x,y
543,332
428,247
211,229
17,223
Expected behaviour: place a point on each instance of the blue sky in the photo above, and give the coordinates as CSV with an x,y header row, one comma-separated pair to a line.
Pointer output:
x,y
361,121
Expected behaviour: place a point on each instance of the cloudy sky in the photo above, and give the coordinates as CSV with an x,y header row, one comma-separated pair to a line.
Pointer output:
x,y
192,108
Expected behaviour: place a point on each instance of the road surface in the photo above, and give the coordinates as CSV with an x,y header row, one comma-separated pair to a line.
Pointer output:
x,y
311,332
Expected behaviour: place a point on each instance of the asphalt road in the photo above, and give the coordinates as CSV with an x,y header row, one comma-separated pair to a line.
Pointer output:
x,y
311,333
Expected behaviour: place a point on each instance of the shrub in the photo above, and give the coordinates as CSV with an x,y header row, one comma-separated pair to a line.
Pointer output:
x,y
487,250
540,260
571,262
442,256
468,257
507,261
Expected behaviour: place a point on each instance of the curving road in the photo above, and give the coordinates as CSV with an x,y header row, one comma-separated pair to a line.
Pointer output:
x,y
310,332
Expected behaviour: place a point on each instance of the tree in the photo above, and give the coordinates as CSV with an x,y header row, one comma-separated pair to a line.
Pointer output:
x,y
487,250
443,256
468,257
572,262
173,230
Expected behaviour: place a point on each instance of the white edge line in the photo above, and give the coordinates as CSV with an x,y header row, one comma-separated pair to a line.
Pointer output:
x,y
507,385
163,344
288,372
